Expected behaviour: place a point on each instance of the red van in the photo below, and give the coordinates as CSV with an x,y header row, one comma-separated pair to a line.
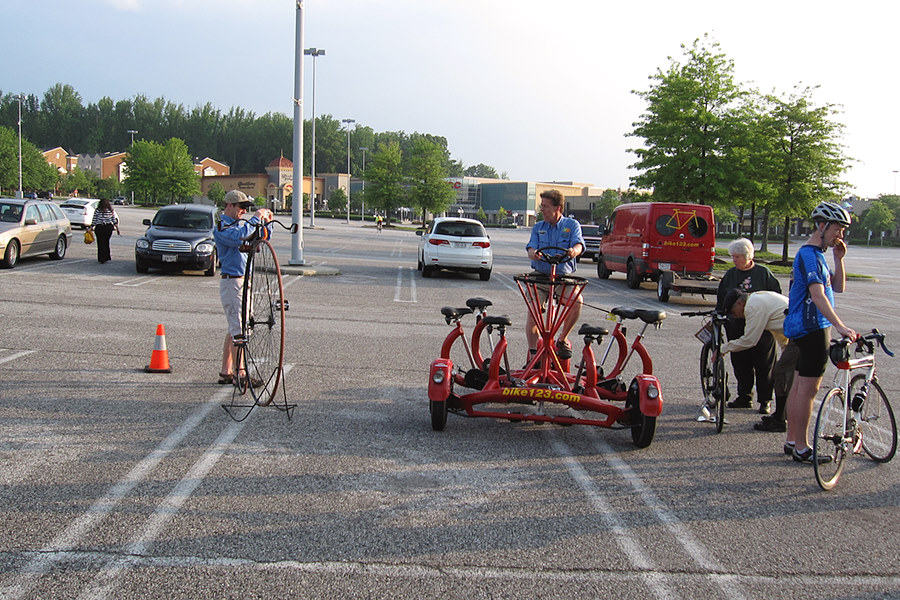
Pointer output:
x,y
672,243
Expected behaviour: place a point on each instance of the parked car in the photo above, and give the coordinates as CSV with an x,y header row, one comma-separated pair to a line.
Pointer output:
x,y
592,237
456,245
179,238
671,243
80,210
30,227
120,201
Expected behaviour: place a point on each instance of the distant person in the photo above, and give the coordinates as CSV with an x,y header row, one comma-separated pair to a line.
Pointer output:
x,y
810,318
379,222
756,362
234,264
104,222
560,232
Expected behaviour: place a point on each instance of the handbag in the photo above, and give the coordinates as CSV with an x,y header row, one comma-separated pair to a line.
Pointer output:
x,y
88,237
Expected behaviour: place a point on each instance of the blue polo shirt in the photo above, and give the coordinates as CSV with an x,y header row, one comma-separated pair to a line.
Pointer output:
x,y
565,234
228,242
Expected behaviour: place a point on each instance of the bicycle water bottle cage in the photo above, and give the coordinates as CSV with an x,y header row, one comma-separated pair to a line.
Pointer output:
x,y
478,303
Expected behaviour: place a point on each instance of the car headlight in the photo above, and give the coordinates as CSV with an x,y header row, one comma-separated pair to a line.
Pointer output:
x,y
142,244
205,248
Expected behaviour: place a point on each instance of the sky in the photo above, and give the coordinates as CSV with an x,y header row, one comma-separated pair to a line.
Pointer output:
x,y
542,91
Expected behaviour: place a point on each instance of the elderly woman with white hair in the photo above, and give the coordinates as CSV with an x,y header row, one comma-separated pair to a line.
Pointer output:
x,y
757,362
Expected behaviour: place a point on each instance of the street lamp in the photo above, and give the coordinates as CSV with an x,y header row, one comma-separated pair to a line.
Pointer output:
x,y
349,122
314,52
895,182
19,193
363,217
132,132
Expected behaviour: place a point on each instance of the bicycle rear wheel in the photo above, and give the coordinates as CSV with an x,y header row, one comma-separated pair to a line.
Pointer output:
x,y
720,392
876,422
832,438
707,374
263,322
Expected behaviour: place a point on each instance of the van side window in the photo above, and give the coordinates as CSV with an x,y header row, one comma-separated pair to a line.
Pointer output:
x,y
679,221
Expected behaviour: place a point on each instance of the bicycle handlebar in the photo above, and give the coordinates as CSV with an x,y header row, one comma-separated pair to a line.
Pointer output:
x,y
555,259
865,341
703,313
292,227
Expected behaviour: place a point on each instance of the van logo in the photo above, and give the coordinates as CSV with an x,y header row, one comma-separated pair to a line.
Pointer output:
x,y
682,220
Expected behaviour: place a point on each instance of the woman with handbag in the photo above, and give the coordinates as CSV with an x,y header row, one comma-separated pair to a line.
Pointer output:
x,y
104,221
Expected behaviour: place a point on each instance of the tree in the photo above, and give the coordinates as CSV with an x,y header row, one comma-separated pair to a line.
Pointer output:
x,y
482,170
384,177
878,218
216,194
428,188
161,172
81,181
37,174
337,203
609,200
690,124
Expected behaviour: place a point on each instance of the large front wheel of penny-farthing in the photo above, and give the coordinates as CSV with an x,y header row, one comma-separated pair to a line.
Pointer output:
x,y
262,318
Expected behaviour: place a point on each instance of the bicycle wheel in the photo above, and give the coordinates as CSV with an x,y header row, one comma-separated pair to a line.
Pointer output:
x,y
263,322
707,374
831,439
876,421
720,392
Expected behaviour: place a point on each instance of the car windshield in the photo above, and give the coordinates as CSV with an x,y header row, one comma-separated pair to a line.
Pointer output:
x,y
593,230
182,219
458,229
10,213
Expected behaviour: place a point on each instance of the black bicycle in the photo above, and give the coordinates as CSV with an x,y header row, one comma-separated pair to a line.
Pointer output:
x,y
713,374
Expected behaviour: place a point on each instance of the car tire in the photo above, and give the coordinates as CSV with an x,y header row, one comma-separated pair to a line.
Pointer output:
x,y
632,277
427,270
662,290
11,256
484,274
140,267
420,265
60,251
602,271
212,266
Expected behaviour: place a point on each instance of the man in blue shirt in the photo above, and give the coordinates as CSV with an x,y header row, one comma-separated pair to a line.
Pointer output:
x,y
810,318
234,263
560,232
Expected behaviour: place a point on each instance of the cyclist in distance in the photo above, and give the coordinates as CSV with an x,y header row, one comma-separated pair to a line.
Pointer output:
x,y
750,362
810,318
234,264
557,231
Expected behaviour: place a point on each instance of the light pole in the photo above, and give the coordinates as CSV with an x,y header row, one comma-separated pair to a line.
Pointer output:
x,y
297,173
348,122
314,52
19,193
363,211
132,132
895,182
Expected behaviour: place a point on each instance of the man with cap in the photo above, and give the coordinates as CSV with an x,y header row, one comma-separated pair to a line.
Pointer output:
x,y
229,238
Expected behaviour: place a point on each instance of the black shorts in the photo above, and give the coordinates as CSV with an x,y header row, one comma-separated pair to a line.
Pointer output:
x,y
813,353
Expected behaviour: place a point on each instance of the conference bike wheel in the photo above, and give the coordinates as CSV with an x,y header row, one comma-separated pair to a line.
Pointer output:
x,y
876,421
720,391
263,322
833,438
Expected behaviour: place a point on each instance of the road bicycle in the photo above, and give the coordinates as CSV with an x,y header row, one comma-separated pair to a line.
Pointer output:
x,y
855,416
713,374
260,345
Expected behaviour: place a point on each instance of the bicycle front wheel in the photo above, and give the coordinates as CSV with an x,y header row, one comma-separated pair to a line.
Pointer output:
x,y
833,437
707,373
263,322
720,392
876,421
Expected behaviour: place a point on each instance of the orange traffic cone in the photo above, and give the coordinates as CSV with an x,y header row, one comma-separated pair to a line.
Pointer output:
x,y
159,360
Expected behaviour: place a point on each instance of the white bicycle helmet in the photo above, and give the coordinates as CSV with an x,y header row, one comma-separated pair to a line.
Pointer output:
x,y
830,213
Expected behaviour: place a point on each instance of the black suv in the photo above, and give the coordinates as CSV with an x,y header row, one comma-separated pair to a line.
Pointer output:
x,y
592,236
180,238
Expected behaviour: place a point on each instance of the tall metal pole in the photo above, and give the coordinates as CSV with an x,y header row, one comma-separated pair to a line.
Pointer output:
x,y
132,132
363,211
297,204
349,177
314,52
19,193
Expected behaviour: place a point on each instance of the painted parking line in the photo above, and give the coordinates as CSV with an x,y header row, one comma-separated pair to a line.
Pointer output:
x,y
14,355
400,290
137,281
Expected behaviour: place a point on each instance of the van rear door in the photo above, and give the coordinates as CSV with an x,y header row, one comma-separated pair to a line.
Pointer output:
x,y
682,238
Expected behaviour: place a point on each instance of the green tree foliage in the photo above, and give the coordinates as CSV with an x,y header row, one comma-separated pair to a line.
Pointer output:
x,y
161,172
690,124
37,175
80,182
603,209
337,202
427,173
481,170
878,218
216,194
384,179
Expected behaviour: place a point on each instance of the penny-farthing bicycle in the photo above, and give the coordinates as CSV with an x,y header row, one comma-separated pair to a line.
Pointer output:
x,y
260,346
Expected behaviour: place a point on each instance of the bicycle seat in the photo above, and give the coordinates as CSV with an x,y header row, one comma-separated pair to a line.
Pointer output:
x,y
455,313
592,330
478,303
497,320
646,315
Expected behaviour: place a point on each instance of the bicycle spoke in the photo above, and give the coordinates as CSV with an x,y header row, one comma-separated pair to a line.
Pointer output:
x,y
876,421
264,322
833,436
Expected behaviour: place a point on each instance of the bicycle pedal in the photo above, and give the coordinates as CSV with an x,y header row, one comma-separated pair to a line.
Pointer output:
x,y
286,303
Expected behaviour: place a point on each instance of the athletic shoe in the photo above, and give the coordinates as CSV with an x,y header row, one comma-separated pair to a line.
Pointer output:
x,y
789,448
771,425
741,402
806,455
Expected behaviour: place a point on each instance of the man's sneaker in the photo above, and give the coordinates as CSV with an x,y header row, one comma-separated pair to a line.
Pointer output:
x,y
765,407
789,448
563,349
771,425
806,455
741,402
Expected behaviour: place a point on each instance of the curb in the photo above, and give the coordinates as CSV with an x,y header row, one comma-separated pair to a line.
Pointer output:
x,y
309,271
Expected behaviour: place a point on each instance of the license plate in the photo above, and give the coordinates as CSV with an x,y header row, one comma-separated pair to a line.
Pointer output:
x,y
665,266
460,244
169,258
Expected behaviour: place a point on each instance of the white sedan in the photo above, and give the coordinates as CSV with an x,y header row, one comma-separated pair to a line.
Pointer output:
x,y
80,210
456,245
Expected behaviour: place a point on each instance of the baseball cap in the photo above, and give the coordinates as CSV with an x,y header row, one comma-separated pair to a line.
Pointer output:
x,y
238,197
730,298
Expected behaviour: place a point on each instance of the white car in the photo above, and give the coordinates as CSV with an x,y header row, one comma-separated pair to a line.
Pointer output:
x,y
80,210
456,245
